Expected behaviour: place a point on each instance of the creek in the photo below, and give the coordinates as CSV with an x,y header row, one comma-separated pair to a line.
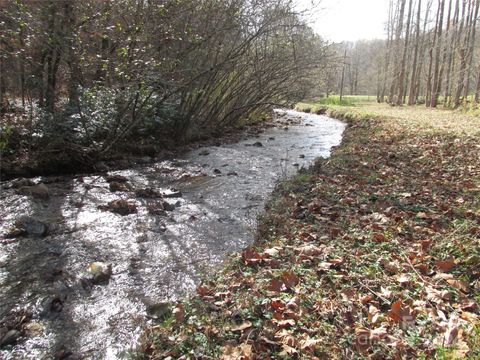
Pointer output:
x,y
157,253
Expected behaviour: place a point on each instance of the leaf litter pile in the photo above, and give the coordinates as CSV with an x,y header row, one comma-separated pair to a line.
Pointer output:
x,y
373,253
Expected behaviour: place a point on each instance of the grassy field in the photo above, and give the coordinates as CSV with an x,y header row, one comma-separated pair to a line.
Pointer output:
x,y
373,253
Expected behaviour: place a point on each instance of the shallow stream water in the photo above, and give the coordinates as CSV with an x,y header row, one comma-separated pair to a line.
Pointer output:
x,y
154,258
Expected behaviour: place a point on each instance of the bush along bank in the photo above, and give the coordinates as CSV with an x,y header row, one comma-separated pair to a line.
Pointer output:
x,y
372,253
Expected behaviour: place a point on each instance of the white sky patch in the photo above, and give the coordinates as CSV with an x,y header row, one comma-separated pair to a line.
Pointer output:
x,y
348,20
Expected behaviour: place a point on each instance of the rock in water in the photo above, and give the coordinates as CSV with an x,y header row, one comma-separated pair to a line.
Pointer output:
x,y
168,207
159,311
156,208
147,193
116,178
28,226
10,338
100,272
172,193
39,191
121,207
16,184
257,144
118,186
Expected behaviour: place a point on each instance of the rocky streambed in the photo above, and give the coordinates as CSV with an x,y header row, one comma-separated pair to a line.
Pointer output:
x,y
87,261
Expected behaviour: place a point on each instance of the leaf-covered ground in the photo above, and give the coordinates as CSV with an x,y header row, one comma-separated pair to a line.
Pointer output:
x,y
373,253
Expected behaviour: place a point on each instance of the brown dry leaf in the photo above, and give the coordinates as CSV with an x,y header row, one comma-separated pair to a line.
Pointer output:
x,y
400,313
325,265
293,303
179,313
241,352
404,280
348,294
373,314
445,265
250,256
276,285
379,237
460,285
336,262
273,251
437,296
288,350
308,343
470,317
283,324
290,279
309,250
386,293
203,290
378,333
425,244
243,326
461,349
362,339
277,304
366,299
452,331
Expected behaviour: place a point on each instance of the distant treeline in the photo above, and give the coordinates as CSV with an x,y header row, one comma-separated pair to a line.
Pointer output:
x,y
83,76
431,55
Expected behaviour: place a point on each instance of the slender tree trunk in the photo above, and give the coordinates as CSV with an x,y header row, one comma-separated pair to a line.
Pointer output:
x,y
401,79
473,27
398,35
411,94
388,50
451,52
436,71
343,75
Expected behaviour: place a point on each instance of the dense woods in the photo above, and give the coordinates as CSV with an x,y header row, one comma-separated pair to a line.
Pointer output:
x,y
80,77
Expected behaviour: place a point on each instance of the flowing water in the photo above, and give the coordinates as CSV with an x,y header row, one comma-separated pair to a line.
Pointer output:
x,y
154,258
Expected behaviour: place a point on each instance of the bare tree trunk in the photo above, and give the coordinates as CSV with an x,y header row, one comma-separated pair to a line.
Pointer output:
x,y
398,35
451,52
473,27
436,71
463,55
388,50
477,90
343,75
411,94
401,79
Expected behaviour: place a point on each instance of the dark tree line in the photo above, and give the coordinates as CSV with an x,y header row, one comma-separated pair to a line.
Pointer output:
x,y
83,77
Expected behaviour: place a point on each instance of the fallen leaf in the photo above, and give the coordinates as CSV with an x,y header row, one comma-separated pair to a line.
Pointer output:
x,y
243,326
460,285
400,313
290,279
250,256
445,265
404,280
379,237
309,250
276,285
179,313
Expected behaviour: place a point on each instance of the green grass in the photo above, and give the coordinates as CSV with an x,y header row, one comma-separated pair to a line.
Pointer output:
x,y
347,100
